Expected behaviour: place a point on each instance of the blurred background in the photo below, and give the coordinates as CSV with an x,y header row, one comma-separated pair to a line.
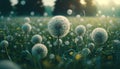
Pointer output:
x,y
60,7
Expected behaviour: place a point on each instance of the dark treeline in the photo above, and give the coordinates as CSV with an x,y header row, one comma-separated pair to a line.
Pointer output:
x,y
61,6
25,7
36,7
5,7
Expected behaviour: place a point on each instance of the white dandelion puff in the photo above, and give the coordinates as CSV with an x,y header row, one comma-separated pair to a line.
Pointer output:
x,y
69,12
91,46
26,27
59,26
51,56
40,51
85,51
4,43
80,30
27,20
36,39
99,35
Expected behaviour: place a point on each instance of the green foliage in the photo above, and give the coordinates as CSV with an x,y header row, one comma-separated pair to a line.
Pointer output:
x,y
73,59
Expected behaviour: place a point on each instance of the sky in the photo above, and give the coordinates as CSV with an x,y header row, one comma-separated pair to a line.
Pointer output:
x,y
51,2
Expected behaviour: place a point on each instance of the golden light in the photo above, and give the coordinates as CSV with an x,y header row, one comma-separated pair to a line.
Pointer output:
x,y
102,2
106,2
82,2
117,2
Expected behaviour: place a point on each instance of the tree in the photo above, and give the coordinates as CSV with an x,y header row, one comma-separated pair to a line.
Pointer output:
x,y
78,7
25,7
61,7
90,9
5,7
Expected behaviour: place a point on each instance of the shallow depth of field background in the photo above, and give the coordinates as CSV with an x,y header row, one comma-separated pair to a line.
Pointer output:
x,y
90,13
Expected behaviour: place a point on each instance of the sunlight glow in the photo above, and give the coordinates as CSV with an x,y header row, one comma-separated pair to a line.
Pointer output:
x,y
117,2
48,2
103,2
13,2
106,2
82,2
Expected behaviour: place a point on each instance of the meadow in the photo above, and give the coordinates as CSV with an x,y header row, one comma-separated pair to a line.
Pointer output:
x,y
103,56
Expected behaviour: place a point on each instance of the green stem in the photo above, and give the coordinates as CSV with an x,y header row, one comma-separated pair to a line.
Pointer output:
x,y
7,53
39,63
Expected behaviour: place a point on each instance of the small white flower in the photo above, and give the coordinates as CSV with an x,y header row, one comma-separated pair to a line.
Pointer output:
x,y
116,43
51,56
67,42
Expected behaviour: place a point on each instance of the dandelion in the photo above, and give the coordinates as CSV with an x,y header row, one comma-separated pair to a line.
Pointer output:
x,y
51,56
32,13
69,12
59,26
89,26
23,2
78,16
39,50
27,20
80,30
58,41
26,27
91,46
116,43
116,49
4,43
85,51
9,38
79,39
5,64
67,42
45,14
36,39
99,35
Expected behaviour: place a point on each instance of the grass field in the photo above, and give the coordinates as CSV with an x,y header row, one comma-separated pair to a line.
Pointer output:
x,y
101,58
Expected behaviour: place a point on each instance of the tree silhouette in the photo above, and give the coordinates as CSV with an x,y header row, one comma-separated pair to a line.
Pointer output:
x,y
25,7
61,7
90,9
5,7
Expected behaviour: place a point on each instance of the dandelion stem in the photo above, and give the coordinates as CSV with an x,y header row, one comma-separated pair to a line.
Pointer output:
x,y
34,62
7,53
58,46
39,64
